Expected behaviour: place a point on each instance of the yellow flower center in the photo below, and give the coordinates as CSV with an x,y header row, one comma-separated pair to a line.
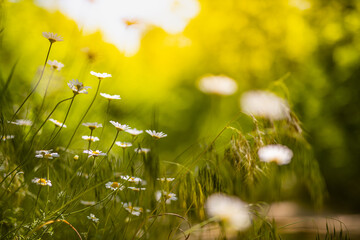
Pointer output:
x,y
47,155
275,160
42,181
115,185
96,152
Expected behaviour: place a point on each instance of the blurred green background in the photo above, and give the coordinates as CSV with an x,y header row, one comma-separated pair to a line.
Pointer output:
x,y
313,47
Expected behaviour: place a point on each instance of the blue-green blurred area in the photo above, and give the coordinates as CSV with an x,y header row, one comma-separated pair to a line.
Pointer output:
x,y
308,54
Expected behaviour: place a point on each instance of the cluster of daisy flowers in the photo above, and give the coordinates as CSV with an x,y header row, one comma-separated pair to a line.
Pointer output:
x,y
77,88
167,197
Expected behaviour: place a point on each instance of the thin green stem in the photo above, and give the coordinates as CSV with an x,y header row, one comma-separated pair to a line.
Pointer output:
x,y
88,109
117,133
105,121
66,99
36,85
63,123
48,187
46,89
41,107
91,131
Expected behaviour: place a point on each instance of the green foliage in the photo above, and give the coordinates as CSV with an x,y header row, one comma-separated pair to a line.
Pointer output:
x,y
308,57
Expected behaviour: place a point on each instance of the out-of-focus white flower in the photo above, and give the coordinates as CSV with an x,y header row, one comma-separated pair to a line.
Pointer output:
x,y
163,179
114,186
277,153
53,37
90,138
119,126
47,154
57,123
133,179
137,189
230,210
167,197
95,153
77,87
155,134
218,85
133,210
87,203
142,150
264,104
93,125
93,218
100,75
22,122
42,182
55,65
110,97
134,132
76,157
124,144
7,137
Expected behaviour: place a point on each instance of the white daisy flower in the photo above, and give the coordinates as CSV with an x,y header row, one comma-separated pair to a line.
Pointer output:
x,y
167,197
114,186
110,97
22,122
55,65
90,138
7,137
47,154
42,182
163,179
77,87
119,126
95,153
100,75
155,134
93,125
142,150
137,189
124,144
218,85
53,37
264,104
231,211
277,153
93,218
57,123
133,210
134,132
133,179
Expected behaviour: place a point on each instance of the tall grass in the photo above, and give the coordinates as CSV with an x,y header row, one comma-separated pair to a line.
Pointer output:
x,y
92,195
